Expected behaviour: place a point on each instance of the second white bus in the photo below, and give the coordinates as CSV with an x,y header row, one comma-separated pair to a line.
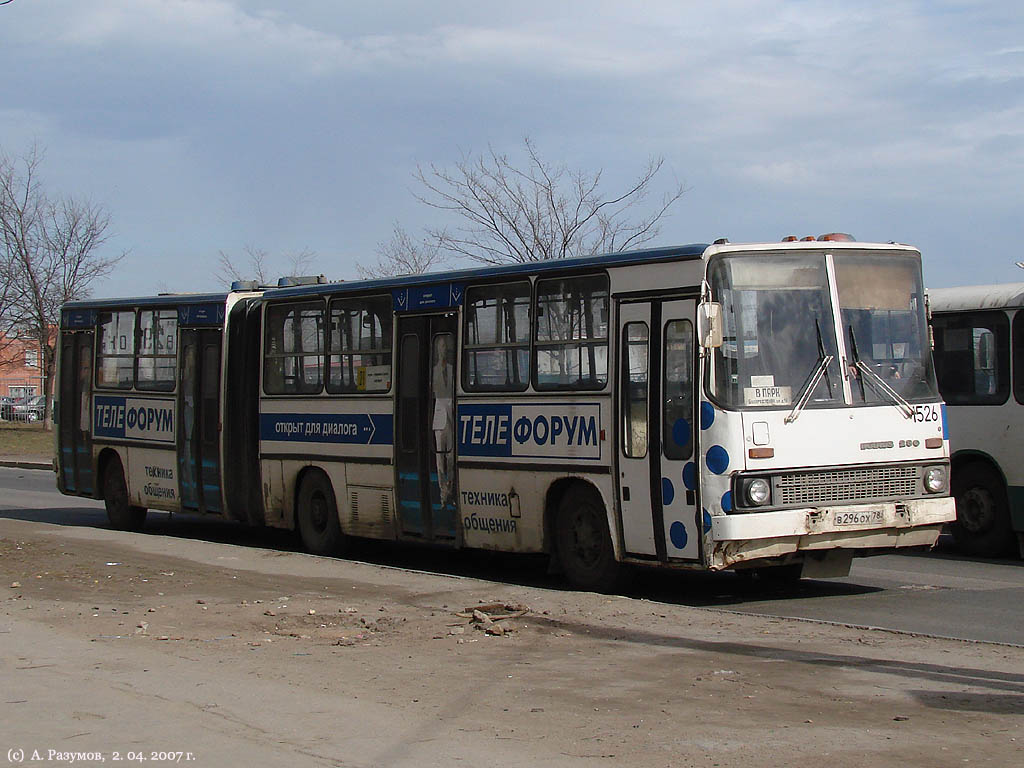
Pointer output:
x,y
979,358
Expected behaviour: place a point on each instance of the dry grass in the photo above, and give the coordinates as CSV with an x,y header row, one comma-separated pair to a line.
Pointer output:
x,y
20,439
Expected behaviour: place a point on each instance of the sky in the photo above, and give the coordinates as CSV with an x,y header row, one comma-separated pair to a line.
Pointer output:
x,y
210,126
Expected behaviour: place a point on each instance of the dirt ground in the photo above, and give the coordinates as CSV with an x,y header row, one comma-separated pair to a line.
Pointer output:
x,y
115,646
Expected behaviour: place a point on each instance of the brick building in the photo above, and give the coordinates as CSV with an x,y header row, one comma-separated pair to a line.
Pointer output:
x,y
21,367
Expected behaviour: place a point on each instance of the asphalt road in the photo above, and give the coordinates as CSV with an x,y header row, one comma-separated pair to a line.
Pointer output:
x,y
938,593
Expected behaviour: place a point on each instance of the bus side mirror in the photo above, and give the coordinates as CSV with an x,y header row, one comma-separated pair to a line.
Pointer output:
x,y
709,324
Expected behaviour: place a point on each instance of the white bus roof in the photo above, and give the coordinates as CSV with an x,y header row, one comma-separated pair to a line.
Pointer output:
x,y
976,297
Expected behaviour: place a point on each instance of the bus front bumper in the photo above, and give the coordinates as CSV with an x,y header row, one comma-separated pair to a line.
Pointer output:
x,y
740,538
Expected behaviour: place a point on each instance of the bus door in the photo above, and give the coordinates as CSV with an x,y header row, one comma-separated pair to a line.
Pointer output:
x,y
425,428
75,417
657,481
199,420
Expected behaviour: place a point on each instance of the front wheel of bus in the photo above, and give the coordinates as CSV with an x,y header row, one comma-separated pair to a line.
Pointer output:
x,y
123,515
584,543
982,524
318,516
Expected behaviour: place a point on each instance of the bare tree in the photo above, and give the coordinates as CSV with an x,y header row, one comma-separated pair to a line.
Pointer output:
x,y
402,255
538,211
258,265
52,255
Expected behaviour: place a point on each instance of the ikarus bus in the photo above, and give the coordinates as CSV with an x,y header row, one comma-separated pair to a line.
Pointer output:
x,y
724,406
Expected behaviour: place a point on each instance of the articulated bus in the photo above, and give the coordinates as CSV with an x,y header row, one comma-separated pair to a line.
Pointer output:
x,y
725,406
979,362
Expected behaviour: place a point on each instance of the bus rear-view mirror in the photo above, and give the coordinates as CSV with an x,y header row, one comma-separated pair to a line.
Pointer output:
x,y
709,324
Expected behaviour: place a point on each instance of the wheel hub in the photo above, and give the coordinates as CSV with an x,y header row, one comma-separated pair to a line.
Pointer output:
x,y
977,510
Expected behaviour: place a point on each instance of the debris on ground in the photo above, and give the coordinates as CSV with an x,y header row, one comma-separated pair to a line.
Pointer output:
x,y
486,617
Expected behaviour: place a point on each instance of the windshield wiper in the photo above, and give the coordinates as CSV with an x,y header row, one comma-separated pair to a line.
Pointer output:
x,y
821,369
876,382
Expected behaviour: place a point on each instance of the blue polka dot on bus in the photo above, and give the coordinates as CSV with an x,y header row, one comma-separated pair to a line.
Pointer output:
x,y
717,459
706,520
677,533
690,476
668,491
707,415
681,432
727,501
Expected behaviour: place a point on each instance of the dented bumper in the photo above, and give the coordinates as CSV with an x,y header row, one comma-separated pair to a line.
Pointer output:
x,y
754,536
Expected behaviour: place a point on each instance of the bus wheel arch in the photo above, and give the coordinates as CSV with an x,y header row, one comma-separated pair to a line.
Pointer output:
x,y
579,530
982,526
316,513
113,489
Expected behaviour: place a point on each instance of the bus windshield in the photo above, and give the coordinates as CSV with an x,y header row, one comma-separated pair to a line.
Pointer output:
x,y
885,327
780,344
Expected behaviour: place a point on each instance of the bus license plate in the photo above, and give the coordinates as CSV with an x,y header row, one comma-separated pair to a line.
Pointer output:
x,y
860,517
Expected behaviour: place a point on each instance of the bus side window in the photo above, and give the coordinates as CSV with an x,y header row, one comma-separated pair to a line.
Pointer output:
x,y
635,372
1018,356
158,334
293,349
677,427
85,386
571,349
359,345
496,339
972,356
115,356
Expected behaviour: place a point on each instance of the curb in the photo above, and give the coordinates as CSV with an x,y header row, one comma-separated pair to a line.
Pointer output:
x,y
17,464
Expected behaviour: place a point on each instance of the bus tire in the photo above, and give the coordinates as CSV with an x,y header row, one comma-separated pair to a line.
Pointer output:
x,y
318,516
122,514
584,542
982,526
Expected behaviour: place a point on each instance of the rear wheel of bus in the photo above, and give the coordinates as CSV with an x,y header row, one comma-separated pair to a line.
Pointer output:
x,y
982,524
318,515
122,514
584,542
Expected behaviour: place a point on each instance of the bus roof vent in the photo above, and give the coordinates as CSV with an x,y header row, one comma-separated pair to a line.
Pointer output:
x,y
292,280
839,237
721,241
245,285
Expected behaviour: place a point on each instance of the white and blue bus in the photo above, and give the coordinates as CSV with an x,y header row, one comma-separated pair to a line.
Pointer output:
x,y
979,361
725,406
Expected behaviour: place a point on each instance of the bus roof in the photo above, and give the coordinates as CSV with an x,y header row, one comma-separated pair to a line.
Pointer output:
x,y
976,297
689,252
161,300
675,253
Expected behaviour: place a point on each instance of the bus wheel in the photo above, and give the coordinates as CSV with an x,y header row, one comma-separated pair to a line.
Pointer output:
x,y
123,515
584,544
982,524
318,516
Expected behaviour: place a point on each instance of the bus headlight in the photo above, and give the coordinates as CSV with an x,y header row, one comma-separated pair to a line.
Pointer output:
x,y
935,479
758,492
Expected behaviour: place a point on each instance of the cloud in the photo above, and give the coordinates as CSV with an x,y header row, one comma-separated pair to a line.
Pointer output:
x,y
263,118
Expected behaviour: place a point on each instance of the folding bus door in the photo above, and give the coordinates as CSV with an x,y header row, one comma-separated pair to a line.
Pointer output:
x,y
425,428
199,420
656,452
75,415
